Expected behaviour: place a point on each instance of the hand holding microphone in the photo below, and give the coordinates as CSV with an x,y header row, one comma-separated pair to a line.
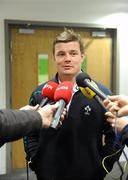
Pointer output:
x,y
62,95
85,82
119,104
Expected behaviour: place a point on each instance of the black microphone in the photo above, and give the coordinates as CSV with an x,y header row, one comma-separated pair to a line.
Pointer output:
x,y
87,92
62,95
84,80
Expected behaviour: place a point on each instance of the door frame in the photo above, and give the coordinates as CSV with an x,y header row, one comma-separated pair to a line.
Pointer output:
x,y
8,24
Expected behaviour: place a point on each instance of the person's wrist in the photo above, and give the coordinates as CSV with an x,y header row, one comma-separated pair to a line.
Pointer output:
x,y
41,116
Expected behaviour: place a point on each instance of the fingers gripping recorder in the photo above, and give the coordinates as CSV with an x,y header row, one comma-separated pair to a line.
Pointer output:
x,y
62,95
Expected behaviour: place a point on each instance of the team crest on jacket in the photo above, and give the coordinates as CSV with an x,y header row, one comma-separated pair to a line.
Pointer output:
x,y
87,110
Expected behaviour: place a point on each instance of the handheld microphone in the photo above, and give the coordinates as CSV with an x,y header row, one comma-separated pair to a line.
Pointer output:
x,y
48,93
91,94
84,80
62,95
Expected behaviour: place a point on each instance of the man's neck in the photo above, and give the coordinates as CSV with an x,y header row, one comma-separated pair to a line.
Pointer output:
x,y
67,78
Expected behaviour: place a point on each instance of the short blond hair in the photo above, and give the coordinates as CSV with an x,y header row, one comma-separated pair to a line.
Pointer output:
x,y
68,35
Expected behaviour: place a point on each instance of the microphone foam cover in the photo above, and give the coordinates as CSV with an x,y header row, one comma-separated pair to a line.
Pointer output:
x,y
81,77
64,91
49,89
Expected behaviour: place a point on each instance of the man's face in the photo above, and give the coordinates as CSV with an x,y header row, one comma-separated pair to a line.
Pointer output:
x,y
68,58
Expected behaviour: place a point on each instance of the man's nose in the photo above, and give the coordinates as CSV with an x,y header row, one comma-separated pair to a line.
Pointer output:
x,y
68,56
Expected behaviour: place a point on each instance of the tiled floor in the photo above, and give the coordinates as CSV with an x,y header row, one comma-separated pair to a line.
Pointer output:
x,y
20,174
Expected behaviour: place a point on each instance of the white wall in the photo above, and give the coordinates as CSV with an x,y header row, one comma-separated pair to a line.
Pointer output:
x,y
120,21
110,13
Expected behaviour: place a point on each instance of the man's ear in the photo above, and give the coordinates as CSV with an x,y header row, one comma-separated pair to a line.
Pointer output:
x,y
83,57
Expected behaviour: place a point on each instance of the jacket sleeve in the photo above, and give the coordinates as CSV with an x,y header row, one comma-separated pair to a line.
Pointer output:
x,y
124,135
31,141
15,124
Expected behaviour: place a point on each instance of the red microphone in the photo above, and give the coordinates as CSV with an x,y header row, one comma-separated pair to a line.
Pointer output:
x,y
62,95
48,93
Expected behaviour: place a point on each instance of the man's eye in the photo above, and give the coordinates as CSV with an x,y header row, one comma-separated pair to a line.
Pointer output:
x,y
61,54
73,53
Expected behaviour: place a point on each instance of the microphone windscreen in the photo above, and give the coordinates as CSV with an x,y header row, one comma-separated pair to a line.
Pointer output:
x,y
49,89
81,77
64,91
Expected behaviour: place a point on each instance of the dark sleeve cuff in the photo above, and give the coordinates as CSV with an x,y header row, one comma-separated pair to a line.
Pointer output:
x,y
124,135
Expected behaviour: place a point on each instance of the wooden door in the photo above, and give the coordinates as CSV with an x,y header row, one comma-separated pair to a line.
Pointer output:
x,y
24,68
98,59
